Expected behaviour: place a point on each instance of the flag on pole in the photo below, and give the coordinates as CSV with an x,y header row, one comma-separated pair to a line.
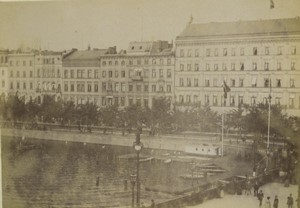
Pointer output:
x,y
226,89
272,4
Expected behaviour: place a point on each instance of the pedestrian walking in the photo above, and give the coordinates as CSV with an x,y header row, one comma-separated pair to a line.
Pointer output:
x,y
290,201
248,187
268,203
260,197
256,187
276,202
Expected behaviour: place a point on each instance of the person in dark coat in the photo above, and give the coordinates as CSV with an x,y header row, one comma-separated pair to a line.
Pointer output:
x,y
290,201
256,187
275,203
260,197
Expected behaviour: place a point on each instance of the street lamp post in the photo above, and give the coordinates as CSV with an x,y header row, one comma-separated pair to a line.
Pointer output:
x,y
132,180
138,145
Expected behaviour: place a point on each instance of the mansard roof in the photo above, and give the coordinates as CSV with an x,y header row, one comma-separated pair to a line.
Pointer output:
x,y
242,28
149,47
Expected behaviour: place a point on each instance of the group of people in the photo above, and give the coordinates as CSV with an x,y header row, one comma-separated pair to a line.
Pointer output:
x,y
260,196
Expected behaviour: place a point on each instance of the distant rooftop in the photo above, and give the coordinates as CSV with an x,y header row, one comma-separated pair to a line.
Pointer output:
x,y
275,26
45,53
86,55
89,54
148,47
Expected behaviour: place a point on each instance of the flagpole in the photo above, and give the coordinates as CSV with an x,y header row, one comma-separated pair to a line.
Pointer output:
x,y
223,131
226,89
269,121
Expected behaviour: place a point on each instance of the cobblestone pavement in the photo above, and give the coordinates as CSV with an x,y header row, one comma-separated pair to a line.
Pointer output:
x,y
238,201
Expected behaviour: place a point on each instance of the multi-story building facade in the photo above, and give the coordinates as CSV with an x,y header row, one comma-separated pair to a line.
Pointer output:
x,y
254,58
81,79
145,71
21,74
251,57
3,72
47,73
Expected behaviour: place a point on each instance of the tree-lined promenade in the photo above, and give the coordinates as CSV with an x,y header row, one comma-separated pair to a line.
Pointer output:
x,y
160,119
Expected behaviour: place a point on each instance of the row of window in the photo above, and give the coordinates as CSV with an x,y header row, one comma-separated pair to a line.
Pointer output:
x,y
232,82
80,87
48,73
161,73
24,86
114,87
80,73
30,62
49,60
21,63
233,66
21,73
45,73
47,86
233,52
107,101
138,62
233,100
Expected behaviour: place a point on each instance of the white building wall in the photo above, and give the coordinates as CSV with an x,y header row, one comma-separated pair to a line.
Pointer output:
x,y
217,72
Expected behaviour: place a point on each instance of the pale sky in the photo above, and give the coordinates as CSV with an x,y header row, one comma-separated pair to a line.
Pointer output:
x,y
60,25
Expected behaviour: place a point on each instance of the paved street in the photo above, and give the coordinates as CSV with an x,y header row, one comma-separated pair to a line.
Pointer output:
x,y
238,201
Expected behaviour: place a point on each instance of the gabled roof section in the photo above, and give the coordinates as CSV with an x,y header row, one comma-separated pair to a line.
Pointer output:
x,y
86,55
257,27
140,47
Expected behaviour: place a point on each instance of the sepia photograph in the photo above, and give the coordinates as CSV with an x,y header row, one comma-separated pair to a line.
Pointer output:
x,y
149,103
